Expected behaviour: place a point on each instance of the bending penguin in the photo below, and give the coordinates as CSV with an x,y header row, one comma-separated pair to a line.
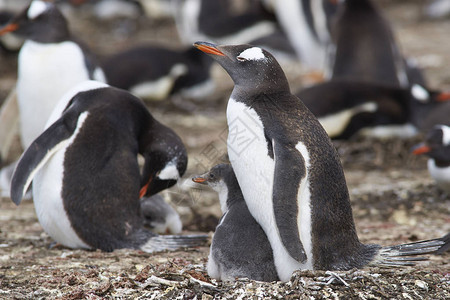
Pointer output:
x,y
240,247
85,173
289,171
50,63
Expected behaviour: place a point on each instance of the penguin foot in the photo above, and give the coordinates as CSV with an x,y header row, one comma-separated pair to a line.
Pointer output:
x,y
405,254
174,242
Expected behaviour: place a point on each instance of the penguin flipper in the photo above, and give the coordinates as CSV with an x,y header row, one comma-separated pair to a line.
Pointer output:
x,y
174,242
289,165
405,254
38,153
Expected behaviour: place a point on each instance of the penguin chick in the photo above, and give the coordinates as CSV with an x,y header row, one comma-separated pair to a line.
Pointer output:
x,y
437,147
290,173
51,61
159,216
240,247
86,176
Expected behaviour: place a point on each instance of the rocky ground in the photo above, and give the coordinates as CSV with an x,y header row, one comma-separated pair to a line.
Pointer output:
x,y
394,200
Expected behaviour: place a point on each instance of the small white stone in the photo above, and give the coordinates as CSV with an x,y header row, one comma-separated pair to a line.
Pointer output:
x,y
421,284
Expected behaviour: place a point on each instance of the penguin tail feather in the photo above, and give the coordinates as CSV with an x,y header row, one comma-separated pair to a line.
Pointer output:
x,y
446,246
174,242
405,254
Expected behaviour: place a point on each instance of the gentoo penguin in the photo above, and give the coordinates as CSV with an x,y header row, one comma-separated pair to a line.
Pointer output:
x,y
289,171
85,173
307,25
437,147
240,247
155,72
365,47
159,216
50,63
347,107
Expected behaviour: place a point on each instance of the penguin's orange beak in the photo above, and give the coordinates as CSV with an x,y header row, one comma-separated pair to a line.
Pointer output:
x,y
9,28
208,48
421,149
444,96
144,189
199,179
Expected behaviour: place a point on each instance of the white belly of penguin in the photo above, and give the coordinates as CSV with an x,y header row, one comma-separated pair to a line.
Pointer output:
x,y
48,202
440,175
255,172
46,72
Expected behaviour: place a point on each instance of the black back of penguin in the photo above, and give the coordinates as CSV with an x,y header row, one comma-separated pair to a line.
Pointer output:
x,y
113,161
240,247
365,45
101,178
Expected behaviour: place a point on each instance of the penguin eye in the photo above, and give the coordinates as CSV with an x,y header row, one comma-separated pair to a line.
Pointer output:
x,y
211,176
240,58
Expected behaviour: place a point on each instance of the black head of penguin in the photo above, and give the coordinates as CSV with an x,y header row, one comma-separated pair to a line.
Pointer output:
x,y
41,21
165,161
222,179
436,146
428,107
250,67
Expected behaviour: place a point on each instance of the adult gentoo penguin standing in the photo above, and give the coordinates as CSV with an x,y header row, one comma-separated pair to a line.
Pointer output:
x,y
437,147
50,63
288,170
86,178
240,247
365,47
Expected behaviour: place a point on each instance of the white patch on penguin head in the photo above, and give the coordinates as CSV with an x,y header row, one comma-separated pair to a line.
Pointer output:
x,y
254,53
445,135
420,93
37,8
169,172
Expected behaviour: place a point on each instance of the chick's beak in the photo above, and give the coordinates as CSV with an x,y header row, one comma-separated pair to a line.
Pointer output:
x,y
199,179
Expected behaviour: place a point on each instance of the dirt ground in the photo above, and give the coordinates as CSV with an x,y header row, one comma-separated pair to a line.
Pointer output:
x,y
393,197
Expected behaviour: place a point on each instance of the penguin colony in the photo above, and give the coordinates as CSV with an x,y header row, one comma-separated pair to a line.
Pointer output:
x,y
84,126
